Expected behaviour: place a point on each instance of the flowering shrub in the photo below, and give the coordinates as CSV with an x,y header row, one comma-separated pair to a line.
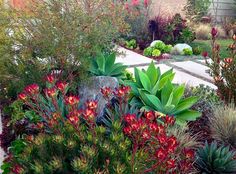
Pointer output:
x,y
223,70
171,29
70,140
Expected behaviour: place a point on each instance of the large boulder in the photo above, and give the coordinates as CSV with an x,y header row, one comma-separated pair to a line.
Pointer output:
x,y
178,49
92,91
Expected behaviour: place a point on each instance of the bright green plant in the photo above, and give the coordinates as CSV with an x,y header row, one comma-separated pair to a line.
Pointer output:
x,y
156,53
188,52
148,51
104,65
168,48
160,46
132,44
154,91
214,159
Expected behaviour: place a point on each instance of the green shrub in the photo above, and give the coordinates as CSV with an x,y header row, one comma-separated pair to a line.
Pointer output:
x,y
104,65
51,37
148,51
132,44
156,53
167,49
160,46
188,52
154,91
214,159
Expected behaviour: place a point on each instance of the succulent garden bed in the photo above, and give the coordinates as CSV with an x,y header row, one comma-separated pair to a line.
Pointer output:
x,y
69,108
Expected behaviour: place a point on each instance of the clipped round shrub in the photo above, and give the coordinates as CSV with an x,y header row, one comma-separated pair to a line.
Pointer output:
x,y
187,52
223,124
156,53
168,48
148,51
160,46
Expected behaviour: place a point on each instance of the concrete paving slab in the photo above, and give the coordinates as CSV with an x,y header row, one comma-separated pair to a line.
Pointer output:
x,y
194,68
131,58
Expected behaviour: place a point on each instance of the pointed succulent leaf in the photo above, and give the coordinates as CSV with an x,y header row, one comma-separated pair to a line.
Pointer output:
x,y
151,100
152,74
188,115
185,104
137,78
178,94
166,92
110,61
146,83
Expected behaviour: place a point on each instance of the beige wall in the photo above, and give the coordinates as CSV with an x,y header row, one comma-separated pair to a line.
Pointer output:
x,y
167,7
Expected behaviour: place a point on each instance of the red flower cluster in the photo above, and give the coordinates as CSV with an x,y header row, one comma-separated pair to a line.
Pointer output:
x,y
122,91
71,100
31,89
161,147
106,92
50,78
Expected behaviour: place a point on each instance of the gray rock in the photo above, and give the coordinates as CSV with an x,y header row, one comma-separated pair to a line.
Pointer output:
x,y
92,91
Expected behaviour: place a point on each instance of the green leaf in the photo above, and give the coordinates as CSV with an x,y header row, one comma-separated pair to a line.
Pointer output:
x,y
166,92
152,73
137,78
110,60
146,83
178,94
188,115
101,62
185,104
163,81
151,100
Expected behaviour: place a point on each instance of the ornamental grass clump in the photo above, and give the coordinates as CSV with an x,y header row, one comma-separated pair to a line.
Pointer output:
x,y
69,140
223,125
223,70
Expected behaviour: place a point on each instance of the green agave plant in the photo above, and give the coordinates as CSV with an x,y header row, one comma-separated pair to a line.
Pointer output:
x,y
104,65
155,91
215,160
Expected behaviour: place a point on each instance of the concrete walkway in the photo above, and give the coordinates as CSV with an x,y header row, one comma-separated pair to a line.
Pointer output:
x,y
188,72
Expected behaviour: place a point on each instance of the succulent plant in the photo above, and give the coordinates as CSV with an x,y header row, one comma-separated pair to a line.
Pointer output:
x,y
104,65
214,159
154,91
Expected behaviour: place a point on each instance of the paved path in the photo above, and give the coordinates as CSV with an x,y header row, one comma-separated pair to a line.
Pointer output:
x,y
190,72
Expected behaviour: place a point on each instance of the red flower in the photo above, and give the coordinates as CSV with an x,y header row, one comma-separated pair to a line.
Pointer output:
x,y
52,122
50,78
73,117
32,89
214,32
72,100
127,130
40,125
122,91
228,60
55,116
150,115
153,127
129,118
106,92
22,96
161,129
162,139
92,105
185,165
51,92
89,114
135,2
62,86
161,154
146,135
17,169
169,120
205,54
135,127
171,163
189,153
172,141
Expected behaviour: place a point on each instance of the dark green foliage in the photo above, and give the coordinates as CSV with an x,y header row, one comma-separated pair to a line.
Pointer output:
x,y
212,159
131,44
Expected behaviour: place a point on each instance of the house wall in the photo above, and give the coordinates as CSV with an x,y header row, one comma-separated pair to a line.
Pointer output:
x,y
220,9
